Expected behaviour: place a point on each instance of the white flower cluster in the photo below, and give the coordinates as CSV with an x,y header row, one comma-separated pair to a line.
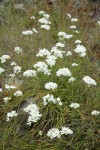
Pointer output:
x,y
66,131
27,32
74,19
51,86
32,17
81,50
34,114
6,99
0,90
18,93
55,132
43,52
17,69
73,27
18,50
13,63
29,73
42,12
59,44
44,21
9,87
71,79
62,35
69,53
95,112
74,105
10,115
12,75
89,81
69,16
74,64
50,98
78,42
64,72
98,23
2,70
42,67
56,52
4,58
51,60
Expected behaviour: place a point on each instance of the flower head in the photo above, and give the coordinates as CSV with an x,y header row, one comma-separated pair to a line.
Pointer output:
x,y
89,81
51,86
74,105
95,112
64,72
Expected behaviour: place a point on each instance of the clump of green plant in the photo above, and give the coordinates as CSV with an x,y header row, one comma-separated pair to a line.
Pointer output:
x,y
49,89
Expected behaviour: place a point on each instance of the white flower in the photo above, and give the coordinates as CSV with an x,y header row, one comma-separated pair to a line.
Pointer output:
x,y
78,42
2,70
81,50
9,87
42,67
74,64
69,15
68,36
51,86
59,44
6,99
69,53
41,12
82,54
3,58
18,93
51,60
12,75
74,20
43,52
89,81
27,32
13,63
64,72
29,73
17,69
0,90
95,112
10,115
18,50
56,52
62,34
74,105
32,17
50,98
34,30
66,131
34,114
59,101
44,21
47,16
98,23
53,133
77,32
71,79
45,26
73,27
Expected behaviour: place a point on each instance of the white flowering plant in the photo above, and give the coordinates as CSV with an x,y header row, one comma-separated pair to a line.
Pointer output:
x,y
49,88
